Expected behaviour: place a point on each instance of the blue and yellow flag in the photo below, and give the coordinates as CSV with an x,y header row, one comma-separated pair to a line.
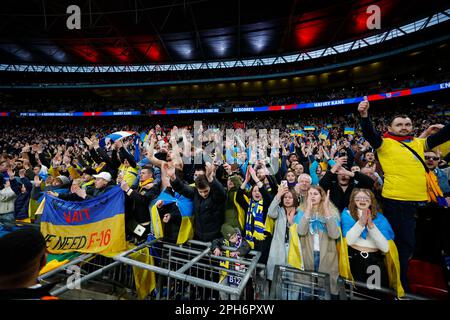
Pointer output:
x,y
297,133
92,226
186,207
295,255
349,130
309,128
323,134
391,257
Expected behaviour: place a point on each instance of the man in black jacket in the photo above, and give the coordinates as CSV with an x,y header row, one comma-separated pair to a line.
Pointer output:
x,y
209,198
341,183
137,201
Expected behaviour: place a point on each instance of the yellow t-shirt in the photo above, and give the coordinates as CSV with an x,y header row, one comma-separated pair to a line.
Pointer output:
x,y
404,174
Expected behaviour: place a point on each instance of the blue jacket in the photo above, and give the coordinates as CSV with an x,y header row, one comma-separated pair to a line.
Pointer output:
x,y
442,180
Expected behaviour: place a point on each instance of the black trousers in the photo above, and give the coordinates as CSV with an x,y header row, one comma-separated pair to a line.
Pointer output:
x,y
360,266
402,217
263,247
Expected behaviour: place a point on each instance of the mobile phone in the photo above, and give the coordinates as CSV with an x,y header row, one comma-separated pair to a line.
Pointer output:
x,y
284,183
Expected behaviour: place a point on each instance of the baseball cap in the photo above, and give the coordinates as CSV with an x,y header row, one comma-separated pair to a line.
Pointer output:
x,y
103,175
64,179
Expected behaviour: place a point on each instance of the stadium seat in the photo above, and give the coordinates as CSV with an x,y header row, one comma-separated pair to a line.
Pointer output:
x,y
427,279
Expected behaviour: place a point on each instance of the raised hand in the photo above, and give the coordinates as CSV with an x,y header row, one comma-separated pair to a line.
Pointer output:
x,y
253,173
22,173
53,194
363,108
363,219
37,181
210,171
370,223
124,186
227,168
159,204
327,204
118,144
81,193
308,209
345,172
281,191
10,173
247,177
66,160
88,142
338,165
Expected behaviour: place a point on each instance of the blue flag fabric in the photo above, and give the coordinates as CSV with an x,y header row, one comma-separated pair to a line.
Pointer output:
x,y
137,151
93,226
380,221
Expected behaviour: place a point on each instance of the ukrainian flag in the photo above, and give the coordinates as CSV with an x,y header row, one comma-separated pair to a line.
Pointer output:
x,y
323,134
391,257
144,136
186,208
295,255
92,226
309,128
298,133
349,130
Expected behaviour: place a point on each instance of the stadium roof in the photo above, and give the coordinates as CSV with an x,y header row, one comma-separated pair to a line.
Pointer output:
x,y
143,32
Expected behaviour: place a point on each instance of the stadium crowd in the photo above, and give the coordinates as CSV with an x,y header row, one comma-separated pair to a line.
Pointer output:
x,y
339,181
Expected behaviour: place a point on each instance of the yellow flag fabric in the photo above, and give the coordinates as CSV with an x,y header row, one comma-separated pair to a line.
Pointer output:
x,y
92,226
145,280
158,230
295,258
393,269
186,230
52,265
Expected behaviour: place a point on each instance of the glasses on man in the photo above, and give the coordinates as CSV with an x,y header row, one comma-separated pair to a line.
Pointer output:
x,y
432,158
362,198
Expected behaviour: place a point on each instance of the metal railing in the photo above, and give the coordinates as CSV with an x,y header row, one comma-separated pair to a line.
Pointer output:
x,y
294,284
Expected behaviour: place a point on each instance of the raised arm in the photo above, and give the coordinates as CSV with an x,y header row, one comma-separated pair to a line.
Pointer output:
x,y
274,209
151,153
439,137
178,185
369,132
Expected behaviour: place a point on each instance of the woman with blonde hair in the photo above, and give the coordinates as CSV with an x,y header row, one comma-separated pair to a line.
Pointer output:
x,y
318,230
368,237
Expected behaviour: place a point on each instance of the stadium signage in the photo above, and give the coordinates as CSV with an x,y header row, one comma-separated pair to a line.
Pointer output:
x,y
329,103
445,85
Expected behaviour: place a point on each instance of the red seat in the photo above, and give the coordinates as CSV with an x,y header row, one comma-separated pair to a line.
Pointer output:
x,y
427,279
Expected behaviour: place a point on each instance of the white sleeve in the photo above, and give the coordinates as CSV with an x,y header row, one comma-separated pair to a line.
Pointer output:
x,y
354,233
377,237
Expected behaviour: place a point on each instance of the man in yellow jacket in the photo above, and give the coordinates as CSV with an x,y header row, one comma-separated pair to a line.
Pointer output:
x,y
405,185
